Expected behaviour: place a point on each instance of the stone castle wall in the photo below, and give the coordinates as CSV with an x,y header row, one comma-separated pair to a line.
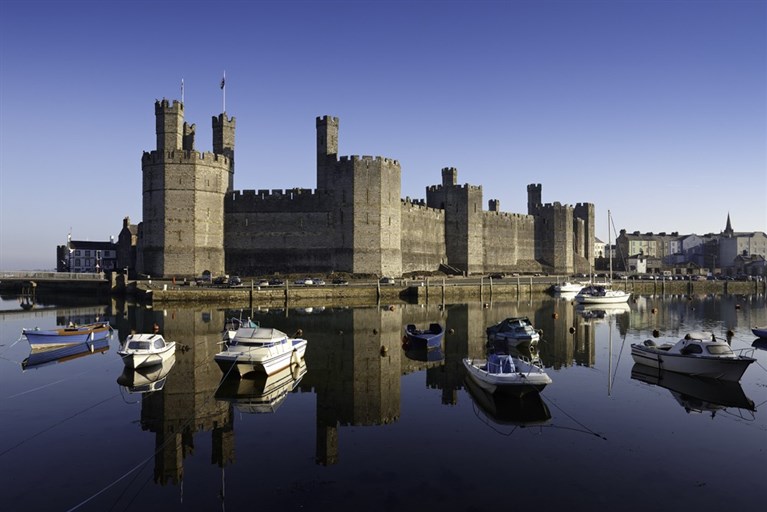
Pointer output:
x,y
355,221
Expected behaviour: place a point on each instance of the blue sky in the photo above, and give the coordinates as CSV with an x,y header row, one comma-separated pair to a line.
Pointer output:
x,y
655,110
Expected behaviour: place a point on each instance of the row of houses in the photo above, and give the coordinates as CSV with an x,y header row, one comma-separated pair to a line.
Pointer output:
x,y
728,253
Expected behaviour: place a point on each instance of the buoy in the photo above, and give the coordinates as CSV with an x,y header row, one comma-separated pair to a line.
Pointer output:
x,y
451,331
737,306
654,310
375,331
384,350
299,333
391,308
572,330
656,333
486,305
555,315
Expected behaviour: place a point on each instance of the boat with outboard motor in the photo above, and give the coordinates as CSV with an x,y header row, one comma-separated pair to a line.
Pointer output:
x,y
253,348
506,373
698,353
142,350
514,331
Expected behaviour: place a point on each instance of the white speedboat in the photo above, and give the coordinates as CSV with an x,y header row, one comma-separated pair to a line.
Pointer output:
x,y
259,349
507,374
597,294
142,350
698,353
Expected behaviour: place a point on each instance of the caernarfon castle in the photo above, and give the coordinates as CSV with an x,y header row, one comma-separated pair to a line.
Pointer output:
x,y
355,221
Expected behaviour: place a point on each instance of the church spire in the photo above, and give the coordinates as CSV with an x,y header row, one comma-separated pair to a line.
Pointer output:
x,y
728,229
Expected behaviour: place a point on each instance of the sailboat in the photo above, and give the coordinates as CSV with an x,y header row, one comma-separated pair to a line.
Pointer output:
x,y
601,294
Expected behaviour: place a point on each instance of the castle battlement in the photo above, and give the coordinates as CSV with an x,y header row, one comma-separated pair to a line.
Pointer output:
x,y
556,205
465,186
420,206
295,199
164,105
508,215
182,156
368,159
326,120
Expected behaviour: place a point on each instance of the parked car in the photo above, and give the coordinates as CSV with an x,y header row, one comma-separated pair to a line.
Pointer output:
x,y
318,282
235,281
340,281
263,282
276,282
220,280
386,280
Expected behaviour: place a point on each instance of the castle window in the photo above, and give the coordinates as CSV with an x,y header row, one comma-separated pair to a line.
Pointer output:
x,y
246,222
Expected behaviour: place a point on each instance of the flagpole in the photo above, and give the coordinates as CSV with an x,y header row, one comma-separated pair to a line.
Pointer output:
x,y
223,88
182,90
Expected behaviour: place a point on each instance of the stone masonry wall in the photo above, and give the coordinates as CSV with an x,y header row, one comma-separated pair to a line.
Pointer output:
x,y
423,238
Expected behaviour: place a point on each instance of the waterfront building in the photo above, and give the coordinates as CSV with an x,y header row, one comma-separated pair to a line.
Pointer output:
x,y
86,256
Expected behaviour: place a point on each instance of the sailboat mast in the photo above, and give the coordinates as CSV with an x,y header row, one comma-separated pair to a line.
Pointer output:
x,y
610,246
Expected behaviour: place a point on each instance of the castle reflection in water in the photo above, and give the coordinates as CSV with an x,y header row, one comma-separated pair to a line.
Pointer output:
x,y
355,362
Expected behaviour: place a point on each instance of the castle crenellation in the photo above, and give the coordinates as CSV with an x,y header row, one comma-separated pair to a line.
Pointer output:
x,y
354,221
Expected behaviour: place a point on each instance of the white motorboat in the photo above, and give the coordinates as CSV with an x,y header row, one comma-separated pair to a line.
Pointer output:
x,y
259,349
507,374
598,294
568,287
142,350
513,331
698,353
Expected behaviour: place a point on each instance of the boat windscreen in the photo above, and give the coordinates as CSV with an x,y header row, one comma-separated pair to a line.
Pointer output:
x,y
719,350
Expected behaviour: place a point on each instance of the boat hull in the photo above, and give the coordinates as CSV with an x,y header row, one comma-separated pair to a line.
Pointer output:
x,y
760,332
431,338
607,299
710,367
240,363
67,335
136,360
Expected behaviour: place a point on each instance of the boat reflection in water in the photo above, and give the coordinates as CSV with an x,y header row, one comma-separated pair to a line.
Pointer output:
x,y
42,357
504,409
601,312
146,379
696,394
260,393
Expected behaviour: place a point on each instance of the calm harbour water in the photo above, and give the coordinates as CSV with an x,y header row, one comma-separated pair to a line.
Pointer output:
x,y
369,426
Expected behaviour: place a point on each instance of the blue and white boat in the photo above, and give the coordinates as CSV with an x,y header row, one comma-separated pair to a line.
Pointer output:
x,y
69,335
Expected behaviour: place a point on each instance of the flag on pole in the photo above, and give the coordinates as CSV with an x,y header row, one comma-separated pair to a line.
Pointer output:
x,y
223,81
182,90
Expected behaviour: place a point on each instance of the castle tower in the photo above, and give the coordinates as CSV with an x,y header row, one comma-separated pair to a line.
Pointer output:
x,y
169,124
183,198
327,150
533,198
223,141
